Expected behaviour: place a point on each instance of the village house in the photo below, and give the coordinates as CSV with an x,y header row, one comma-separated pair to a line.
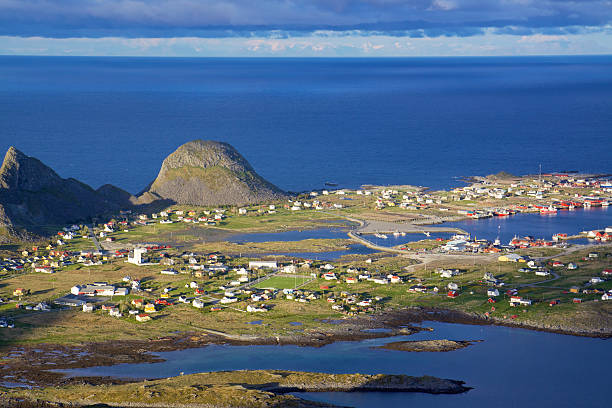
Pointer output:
x,y
115,312
143,317
256,309
519,301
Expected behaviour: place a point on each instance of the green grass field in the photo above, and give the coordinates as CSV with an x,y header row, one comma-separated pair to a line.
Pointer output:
x,y
282,282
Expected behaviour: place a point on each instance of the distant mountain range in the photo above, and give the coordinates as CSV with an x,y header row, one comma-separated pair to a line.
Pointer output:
x,y
34,199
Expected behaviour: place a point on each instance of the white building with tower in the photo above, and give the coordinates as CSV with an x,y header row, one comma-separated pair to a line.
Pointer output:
x,y
136,257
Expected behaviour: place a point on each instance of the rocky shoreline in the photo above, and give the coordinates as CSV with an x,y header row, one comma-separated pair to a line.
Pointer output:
x,y
253,388
32,365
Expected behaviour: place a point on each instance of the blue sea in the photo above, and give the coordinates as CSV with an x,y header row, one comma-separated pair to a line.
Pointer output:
x,y
303,122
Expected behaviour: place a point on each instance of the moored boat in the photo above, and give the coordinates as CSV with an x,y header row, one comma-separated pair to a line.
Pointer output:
x,y
548,210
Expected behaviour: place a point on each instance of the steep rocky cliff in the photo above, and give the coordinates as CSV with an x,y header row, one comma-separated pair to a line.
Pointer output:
x,y
35,198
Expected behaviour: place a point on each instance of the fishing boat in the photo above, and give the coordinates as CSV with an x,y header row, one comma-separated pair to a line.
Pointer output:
x,y
501,213
548,210
396,234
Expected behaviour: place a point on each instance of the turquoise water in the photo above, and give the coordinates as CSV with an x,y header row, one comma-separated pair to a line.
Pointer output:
x,y
510,368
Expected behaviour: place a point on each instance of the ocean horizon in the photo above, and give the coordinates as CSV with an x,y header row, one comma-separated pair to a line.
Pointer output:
x,y
302,122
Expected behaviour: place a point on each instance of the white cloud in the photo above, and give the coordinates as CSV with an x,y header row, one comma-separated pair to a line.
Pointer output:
x,y
596,42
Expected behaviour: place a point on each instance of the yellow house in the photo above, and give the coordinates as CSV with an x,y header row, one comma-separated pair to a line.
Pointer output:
x,y
150,308
143,317
510,258
165,296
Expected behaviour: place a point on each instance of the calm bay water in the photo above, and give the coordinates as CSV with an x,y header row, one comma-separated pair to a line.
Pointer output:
x,y
510,368
302,122
504,228
538,225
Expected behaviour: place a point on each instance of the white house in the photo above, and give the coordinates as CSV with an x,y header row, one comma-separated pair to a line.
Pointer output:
x,y
289,269
254,309
492,292
199,303
449,273
455,245
135,257
394,278
452,286
263,264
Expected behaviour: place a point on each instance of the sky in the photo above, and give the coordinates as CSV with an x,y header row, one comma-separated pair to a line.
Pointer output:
x,y
305,28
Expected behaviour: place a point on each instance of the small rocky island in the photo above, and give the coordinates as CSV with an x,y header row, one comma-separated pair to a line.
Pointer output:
x,y
428,345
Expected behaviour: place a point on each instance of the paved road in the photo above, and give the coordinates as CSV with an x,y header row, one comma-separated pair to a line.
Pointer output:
x,y
92,235
371,227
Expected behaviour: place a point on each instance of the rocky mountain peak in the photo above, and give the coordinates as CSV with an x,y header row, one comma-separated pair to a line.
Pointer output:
x,y
20,171
206,172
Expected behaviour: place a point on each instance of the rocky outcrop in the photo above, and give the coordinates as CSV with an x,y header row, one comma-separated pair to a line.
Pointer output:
x,y
209,173
428,345
35,198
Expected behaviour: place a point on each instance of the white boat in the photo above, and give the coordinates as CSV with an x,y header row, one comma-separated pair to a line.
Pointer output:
x,y
396,234
427,233
381,236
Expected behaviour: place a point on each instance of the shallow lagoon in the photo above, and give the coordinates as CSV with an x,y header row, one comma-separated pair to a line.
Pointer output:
x,y
533,224
510,368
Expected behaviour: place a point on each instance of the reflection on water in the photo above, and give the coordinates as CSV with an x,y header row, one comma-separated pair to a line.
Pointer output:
x,y
510,368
